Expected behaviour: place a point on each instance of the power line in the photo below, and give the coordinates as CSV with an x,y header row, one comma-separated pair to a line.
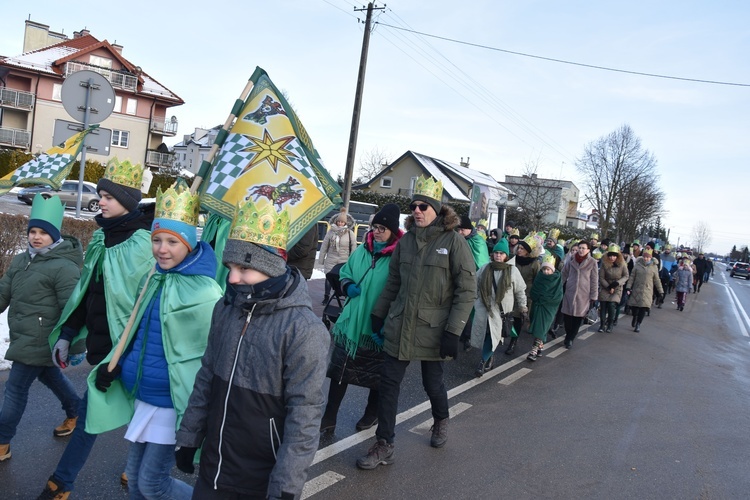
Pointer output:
x,y
562,61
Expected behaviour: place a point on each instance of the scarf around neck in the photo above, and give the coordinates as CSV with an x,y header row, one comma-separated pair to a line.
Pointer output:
x,y
488,284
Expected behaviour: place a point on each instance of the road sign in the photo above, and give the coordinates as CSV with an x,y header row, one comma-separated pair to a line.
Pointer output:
x,y
98,140
101,99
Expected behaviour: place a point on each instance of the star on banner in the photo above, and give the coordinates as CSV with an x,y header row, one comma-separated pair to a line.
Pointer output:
x,y
269,149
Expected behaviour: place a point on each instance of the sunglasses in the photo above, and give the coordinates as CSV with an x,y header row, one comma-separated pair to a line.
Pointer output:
x,y
378,228
421,206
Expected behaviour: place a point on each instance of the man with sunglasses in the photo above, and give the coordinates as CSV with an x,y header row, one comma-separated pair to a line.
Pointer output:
x,y
421,312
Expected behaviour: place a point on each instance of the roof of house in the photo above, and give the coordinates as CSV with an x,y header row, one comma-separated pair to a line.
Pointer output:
x,y
205,140
51,60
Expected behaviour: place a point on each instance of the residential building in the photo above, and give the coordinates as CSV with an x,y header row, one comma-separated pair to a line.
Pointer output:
x,y
30,96
460,183
558,199
194,148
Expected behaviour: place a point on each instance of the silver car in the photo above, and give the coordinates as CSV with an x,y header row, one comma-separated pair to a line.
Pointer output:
x,y
68,194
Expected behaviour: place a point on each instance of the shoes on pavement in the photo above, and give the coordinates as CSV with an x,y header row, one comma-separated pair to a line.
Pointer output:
x,y
325,299
484,366
637,327
53,491
4,452
66,428
327,425
381,453
511,346
439,432
568,344
124,479
609,328
601,329
366,422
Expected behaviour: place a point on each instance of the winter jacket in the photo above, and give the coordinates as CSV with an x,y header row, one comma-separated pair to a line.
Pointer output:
x,y
514,298
100,305
164,348
683,279
36,291
302,254
643,281
258,396
338,244
701,264
581,284
430,289
610,273
528,267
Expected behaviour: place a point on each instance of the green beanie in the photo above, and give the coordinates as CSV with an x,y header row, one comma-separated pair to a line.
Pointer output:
x,y
501,246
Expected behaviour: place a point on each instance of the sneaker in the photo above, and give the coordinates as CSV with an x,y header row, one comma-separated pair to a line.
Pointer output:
x,y
439,433
367,422
327,426
532,356
66,428
381,453
124,479
53,491
4,452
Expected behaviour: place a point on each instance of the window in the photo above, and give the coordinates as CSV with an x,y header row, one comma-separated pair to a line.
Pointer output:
x,y
132,105
118,104
120,138
386,182
102,62
57,92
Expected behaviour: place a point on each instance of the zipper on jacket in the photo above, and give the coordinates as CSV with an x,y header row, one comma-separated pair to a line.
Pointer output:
x,y
40,321
229,390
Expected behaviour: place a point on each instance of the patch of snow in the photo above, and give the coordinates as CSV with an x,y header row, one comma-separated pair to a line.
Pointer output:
x,y
4,340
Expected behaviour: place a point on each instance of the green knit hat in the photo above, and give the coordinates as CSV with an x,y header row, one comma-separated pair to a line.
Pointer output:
x,y
47,215
501,246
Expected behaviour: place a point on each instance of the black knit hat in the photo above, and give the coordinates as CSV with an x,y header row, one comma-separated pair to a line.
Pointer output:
x,y
252,256
128,197
525,245
466,223
388,216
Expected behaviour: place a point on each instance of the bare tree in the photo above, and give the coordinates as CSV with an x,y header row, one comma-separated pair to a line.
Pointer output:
x,y
617,168
636,208
701,235
538,199
371,163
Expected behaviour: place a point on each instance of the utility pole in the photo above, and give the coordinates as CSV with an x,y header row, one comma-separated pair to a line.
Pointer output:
x,y
349,170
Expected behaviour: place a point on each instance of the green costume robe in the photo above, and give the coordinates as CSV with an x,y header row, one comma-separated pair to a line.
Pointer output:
x,y
546,295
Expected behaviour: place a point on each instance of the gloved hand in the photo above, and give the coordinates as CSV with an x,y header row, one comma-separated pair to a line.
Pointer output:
x,y
378,338
184,456
614,285
448,345
104,377
353,290
60,353
377,323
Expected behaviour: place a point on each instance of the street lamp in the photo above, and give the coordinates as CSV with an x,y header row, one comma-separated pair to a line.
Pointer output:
x,y
506,200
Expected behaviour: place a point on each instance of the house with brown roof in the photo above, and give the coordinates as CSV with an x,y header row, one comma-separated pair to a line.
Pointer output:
x,y
30,96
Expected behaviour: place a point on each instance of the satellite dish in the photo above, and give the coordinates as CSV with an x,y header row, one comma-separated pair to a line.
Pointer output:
x,y
101,96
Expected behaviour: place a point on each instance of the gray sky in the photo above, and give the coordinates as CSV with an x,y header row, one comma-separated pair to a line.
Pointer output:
x,y
450,100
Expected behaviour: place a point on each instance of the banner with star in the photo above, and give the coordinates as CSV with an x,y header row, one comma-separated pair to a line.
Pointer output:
x,y
267,156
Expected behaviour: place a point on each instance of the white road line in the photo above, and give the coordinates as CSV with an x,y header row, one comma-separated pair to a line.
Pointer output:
x,y
515,376
554,353
318,484
454,410
736,307
586,334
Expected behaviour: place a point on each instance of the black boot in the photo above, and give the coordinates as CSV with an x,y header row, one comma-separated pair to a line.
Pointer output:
x,y
511,346
637,327
602,317
635,318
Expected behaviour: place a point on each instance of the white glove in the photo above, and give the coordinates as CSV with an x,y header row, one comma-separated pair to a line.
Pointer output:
x,y
60,353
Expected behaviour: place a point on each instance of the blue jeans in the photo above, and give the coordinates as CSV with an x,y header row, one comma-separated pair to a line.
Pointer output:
x,y
77,452
17,394
148,469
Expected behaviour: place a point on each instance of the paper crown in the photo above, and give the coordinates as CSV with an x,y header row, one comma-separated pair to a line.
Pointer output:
x,y
595,236
429,187
535,242
554,233
178,205
636,242
482,222
262,226
613,248
668,247
47,209
514,232
124,173
548,260
647,251
597,254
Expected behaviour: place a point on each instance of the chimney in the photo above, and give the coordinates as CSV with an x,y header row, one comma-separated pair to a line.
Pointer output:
x,y
465,163
82,33
117,47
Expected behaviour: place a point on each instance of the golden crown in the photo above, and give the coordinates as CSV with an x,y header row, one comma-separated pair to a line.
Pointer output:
x,y
263,226
613,248
177,204
595,236
124,173
514,232
554,233
482,222
429,187
548,259
597,254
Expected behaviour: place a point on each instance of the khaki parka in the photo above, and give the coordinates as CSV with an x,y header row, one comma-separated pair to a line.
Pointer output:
x,y
609,273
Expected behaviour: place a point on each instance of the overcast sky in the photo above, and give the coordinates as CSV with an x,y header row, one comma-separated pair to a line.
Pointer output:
x,y
451,100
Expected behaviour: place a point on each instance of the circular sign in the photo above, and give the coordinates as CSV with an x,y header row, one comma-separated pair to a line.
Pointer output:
x,y
101,96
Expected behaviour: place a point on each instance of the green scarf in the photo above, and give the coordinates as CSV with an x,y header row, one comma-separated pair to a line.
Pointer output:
x,y
488,284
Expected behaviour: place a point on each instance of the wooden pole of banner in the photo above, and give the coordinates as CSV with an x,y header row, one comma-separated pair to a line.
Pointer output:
x,y
227,124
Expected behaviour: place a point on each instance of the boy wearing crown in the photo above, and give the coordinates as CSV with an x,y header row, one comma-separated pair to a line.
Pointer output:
x,y
421,312
147,388
258,397
118,255
35,288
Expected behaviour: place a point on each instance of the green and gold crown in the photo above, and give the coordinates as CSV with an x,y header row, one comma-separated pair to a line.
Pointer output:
x,y
595,236
124,173
514,232
262,226
597,253
554,233
482,222
548,259
429,188
177,204
613,248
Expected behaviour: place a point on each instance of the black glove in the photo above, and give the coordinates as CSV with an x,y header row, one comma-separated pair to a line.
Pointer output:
x,y
614,285
184,456
104,377
377,323
448,345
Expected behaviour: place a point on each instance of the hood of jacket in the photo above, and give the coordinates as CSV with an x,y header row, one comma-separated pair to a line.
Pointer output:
x,y
447,219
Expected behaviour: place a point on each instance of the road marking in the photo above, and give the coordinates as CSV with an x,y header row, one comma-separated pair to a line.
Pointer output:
x,y
454,410
736,309
586,334
318,484
515,376
554,353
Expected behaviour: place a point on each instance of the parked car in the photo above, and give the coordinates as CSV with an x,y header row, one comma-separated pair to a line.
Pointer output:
x,y
730,265
27,194
741,270
68,194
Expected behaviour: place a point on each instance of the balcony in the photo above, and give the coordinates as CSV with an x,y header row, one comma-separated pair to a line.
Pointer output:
x,y
118,79
15,138
159,126
16,99
157,159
